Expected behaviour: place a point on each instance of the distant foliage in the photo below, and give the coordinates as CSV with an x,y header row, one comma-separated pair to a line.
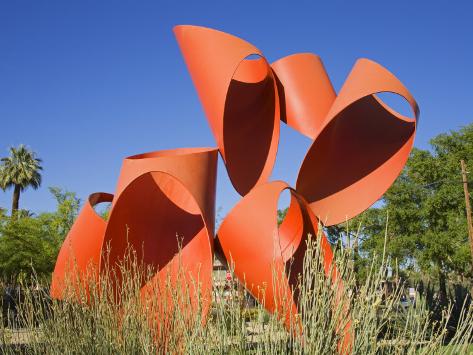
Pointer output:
x,y
29,242
281,215
331,319
424,211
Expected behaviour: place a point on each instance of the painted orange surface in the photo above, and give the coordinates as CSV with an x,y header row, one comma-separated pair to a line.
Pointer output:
x,y
165,200
361,148
268,258
305,90
240,99
79,257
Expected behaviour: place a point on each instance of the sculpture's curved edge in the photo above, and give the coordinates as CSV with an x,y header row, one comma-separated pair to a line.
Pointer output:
x,y
264,166
169,183
259,251
198,46
254,259
182,175
335,147
305,90
137,180
199,175
170,161
79,256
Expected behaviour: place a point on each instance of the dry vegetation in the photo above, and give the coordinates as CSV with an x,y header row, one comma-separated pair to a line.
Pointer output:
x,y
106,324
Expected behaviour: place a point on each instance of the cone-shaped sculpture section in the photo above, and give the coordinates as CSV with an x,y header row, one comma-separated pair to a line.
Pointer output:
x,y
77,264
164,205
305,91
268,259
240,99
163,211
361,149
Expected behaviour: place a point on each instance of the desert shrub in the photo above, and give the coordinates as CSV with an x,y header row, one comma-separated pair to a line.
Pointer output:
x,y
111,318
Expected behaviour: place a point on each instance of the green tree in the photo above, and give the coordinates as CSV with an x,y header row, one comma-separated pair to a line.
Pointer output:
x,y
2,214
427,230
31,243
20,170
68,205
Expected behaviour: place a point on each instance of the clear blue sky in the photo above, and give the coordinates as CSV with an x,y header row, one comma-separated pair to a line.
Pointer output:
x,y
87,83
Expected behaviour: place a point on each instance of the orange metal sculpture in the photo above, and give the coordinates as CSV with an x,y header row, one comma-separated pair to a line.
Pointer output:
x,y
359,147
239,96
259,249
162,199
79,257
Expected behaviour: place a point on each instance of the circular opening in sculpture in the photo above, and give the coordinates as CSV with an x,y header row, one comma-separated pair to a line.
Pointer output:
x,y
396,104
355,158
101,203
249,123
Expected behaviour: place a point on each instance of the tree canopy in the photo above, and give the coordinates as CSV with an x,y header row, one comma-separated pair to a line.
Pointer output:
x,y
31,243
422,216
20,170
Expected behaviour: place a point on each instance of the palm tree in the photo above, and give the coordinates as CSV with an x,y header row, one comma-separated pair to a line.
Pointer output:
x,y
20,170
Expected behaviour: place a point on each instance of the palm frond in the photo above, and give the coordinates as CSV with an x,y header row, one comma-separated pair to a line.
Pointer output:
x,y
22,167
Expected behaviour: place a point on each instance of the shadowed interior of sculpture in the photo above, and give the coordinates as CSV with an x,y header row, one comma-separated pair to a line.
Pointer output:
x,y
166,218
282,98
248,123
150,216
355,143
293,233
80,252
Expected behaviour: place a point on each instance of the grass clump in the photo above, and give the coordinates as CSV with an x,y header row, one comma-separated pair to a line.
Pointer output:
x,y
113,316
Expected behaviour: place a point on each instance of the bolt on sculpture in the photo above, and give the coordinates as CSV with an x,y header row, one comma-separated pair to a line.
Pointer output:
x,y
359,147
